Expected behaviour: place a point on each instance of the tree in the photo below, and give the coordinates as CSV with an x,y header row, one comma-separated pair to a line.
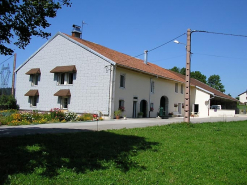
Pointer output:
x,y
199,76
215,82
183,71
25,18
175,69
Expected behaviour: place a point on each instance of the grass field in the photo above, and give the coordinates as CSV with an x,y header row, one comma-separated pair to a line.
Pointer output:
x,y
208,153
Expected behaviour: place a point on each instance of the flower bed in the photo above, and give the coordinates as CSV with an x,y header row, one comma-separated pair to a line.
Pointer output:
x,y
14,117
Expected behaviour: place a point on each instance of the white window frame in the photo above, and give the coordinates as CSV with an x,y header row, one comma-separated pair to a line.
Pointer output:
x,y
182,88
33,101
152,86
62,102
34,79
124,80
176,87
66,80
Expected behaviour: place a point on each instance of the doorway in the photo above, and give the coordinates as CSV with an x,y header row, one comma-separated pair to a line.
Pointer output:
x,y
164,104
134,109
143,108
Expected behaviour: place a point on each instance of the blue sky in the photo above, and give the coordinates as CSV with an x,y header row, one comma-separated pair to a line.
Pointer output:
x,y
132,26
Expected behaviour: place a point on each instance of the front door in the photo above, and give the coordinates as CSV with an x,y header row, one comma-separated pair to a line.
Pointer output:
x,y
134,109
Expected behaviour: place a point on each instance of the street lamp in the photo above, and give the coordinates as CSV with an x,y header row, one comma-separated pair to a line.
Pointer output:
x,y
187,77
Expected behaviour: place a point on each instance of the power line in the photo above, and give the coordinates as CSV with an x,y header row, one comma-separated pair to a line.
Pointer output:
x,y
219,56
156,47
230,34
6,59
166,42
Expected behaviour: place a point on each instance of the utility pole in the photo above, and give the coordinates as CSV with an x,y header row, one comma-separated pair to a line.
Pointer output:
x,y
187,79
13,76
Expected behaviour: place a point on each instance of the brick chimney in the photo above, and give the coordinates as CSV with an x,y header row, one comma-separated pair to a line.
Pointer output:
x,y
76,32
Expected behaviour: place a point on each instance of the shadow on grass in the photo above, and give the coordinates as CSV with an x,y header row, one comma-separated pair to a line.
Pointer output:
x,y
80,152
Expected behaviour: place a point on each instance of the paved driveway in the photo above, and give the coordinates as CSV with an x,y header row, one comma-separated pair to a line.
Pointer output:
x,y
102,125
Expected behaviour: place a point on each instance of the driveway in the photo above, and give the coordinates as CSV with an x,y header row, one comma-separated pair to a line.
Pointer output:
x,y
103,125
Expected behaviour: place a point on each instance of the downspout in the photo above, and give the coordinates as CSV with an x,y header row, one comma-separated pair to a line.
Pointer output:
x,y
112,91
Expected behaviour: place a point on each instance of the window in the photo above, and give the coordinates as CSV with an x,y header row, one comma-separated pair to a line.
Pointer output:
x,y
34,79
33,101
152,87
70,78
176,87
122,80
182,89
151,106
121,105
65,78
64,102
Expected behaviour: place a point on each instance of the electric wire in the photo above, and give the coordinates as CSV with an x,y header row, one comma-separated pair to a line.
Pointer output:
x,y
229,34
7,59
155,47
219,56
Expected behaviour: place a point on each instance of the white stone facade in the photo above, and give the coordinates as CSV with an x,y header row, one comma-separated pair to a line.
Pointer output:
x,y
90,89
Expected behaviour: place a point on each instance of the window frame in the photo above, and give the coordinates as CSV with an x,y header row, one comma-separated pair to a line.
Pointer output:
x,y
122,84
33,101
152,87
176,87
66,78
182,89
62,103
34,79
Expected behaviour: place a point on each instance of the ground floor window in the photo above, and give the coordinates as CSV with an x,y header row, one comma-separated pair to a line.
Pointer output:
x,y
33,101
121,105
64,102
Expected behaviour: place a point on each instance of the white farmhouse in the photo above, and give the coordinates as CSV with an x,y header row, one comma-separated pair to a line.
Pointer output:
x,y
70,73
243,97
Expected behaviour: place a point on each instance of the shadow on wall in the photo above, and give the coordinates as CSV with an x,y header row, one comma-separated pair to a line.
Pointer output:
x,y
80,152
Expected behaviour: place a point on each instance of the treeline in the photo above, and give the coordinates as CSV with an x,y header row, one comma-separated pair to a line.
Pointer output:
x,y
213,81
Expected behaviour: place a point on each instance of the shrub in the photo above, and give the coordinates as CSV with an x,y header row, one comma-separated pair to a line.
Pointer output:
x,y
57,114
85,117
8,102
70,116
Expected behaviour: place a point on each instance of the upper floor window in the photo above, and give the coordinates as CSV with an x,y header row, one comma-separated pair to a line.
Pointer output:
x,y
65,78
182,89
176,87
152,87
65,74
34,79
34,76
122,80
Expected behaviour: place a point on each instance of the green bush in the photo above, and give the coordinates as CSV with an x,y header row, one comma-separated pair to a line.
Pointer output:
x,y
8,102
57,114
70,116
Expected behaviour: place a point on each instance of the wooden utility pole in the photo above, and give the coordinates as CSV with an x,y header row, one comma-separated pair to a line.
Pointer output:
x,y
187,79
13,76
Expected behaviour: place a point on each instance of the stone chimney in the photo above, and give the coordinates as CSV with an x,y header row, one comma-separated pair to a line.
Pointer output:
x,y
76,32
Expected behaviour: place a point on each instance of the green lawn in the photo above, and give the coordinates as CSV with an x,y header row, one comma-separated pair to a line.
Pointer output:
x,y
208,153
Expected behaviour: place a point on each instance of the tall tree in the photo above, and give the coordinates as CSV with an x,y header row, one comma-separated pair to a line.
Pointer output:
x,y
199,76
24,19
183,71
175,69
215,82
